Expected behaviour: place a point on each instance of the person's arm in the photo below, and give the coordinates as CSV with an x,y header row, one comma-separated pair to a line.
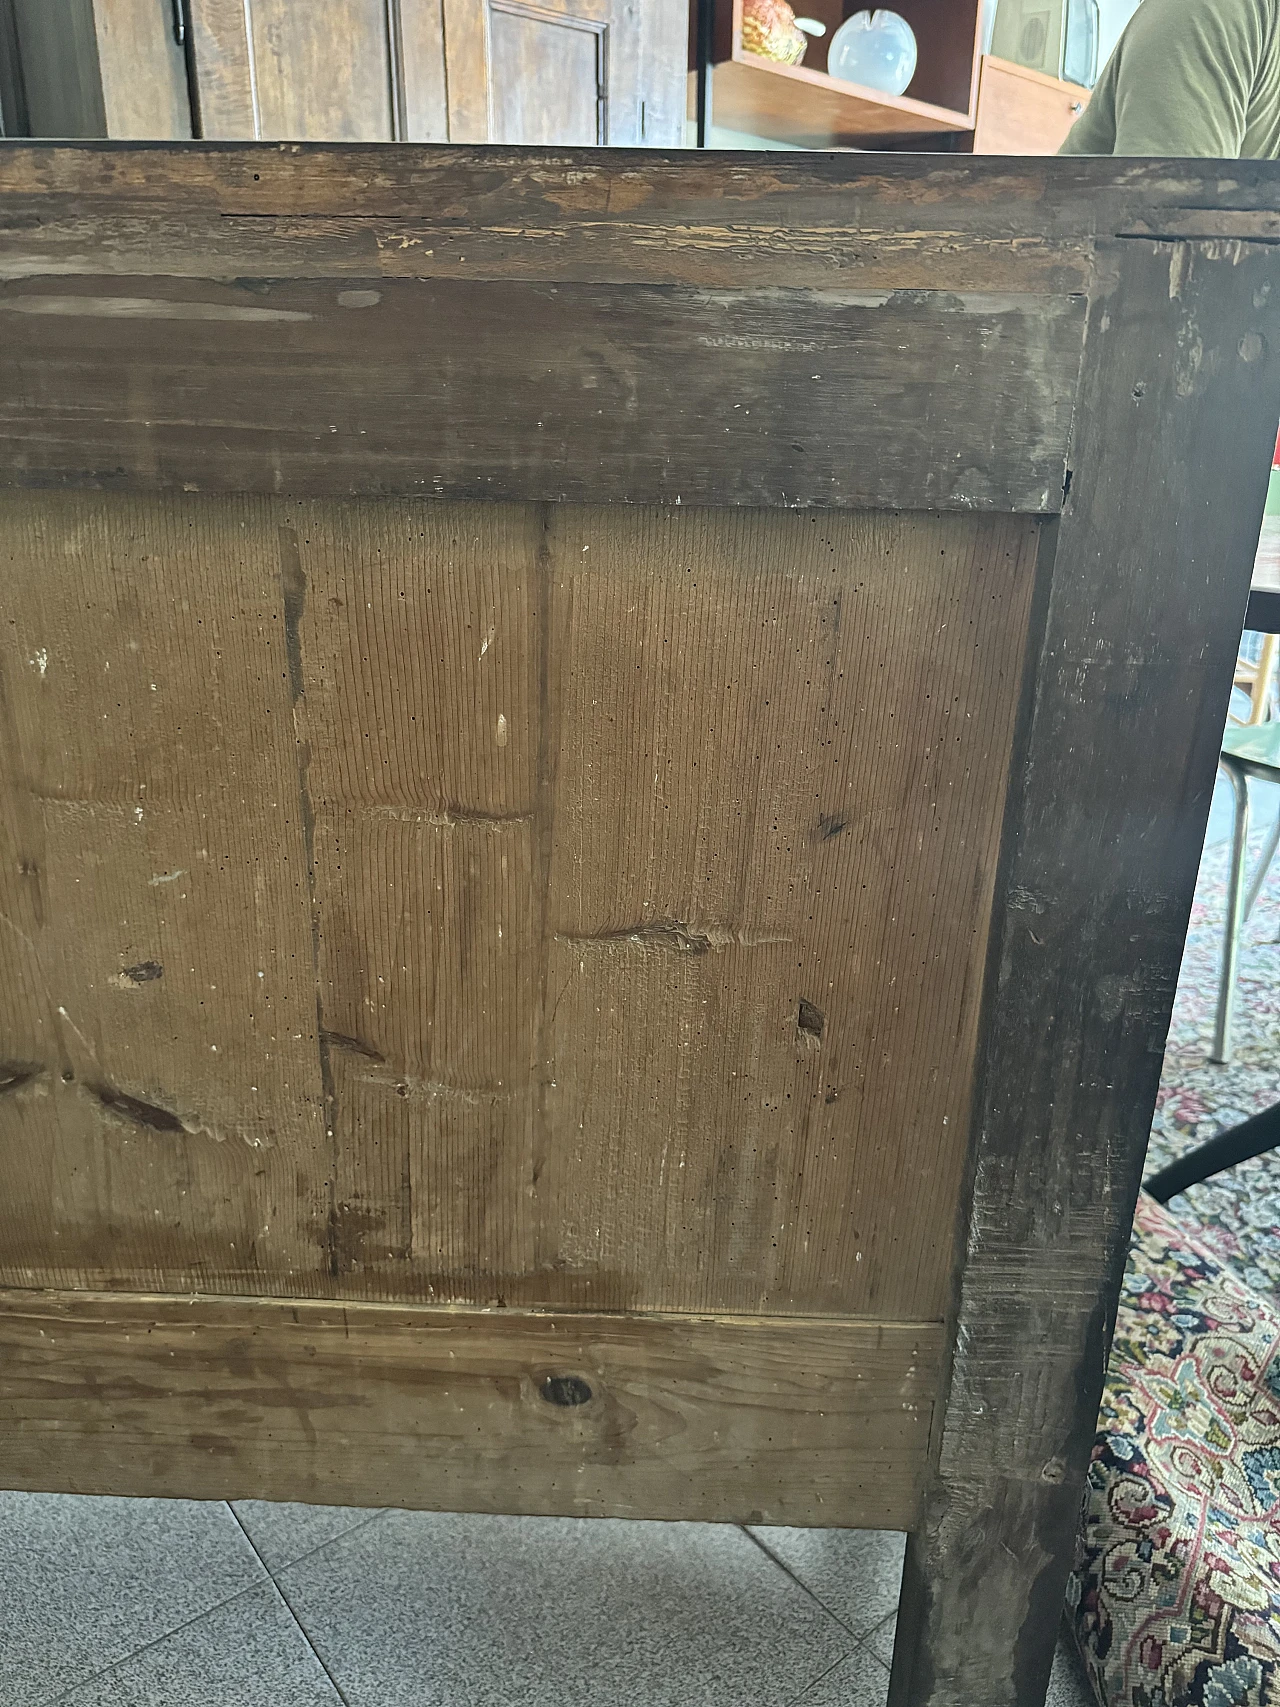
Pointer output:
x,y
1179,82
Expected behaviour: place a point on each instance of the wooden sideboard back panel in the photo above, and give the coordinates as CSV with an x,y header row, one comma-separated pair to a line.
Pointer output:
x,y
602,760
499,903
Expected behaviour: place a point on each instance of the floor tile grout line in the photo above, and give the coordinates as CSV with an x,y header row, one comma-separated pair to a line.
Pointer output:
x,y
885,1665
876,1629
817,1601
860,1642
136,1653
279,1588
311,1551
796,1700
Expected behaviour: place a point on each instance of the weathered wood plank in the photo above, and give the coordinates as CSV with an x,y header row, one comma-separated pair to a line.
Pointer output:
x,y
776,772
989,197
502,390
149,904
444,806
44,239
679,1417
314,212
1106,817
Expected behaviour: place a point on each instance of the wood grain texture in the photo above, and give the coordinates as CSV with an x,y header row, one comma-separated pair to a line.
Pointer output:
x,y
566,71
646,67
422,95
521,391
1106,819
226,75
621,878
724,713
305,211
466,52
986,198
323,73
749,854
460,213
712,798
548,70
693,1418
154,883
61,78
268,69
659,94
620,669
144,74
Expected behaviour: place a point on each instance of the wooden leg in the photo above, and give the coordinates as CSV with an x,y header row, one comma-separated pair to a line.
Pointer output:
x,y
1092,904
1014,1638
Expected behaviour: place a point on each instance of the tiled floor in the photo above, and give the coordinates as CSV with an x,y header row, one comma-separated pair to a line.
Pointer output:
x,y
169,1603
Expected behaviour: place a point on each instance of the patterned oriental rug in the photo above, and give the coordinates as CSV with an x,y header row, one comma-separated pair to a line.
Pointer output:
x,y
1176,1595
1175,1600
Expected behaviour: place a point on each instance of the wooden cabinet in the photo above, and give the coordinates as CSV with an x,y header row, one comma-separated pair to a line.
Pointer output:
x,y
581,932
566,71
76,68
1021,111
338,71
517,71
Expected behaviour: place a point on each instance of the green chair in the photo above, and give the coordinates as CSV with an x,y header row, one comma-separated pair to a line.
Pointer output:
x,y
1248,750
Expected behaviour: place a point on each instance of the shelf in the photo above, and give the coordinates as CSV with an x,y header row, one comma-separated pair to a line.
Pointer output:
x,y
802,105
790,103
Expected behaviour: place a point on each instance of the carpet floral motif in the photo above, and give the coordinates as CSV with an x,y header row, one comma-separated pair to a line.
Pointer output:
x,y
1176,1593
1175,1599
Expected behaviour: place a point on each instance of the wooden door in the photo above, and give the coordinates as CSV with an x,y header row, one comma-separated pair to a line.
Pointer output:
x,y
566,71
602,762
560,72
330,70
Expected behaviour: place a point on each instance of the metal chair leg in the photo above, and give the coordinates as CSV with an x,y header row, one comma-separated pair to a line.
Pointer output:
x,y
1264,866
1235,915
1239,1144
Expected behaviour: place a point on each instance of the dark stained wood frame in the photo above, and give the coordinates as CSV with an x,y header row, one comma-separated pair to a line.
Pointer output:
x,y
1146,583
1142,584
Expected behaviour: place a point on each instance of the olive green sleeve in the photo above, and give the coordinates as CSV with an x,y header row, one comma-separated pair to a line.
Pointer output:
x,y
1179,82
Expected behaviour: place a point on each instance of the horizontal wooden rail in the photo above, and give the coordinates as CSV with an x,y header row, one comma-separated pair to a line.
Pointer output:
x,y
799,1421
